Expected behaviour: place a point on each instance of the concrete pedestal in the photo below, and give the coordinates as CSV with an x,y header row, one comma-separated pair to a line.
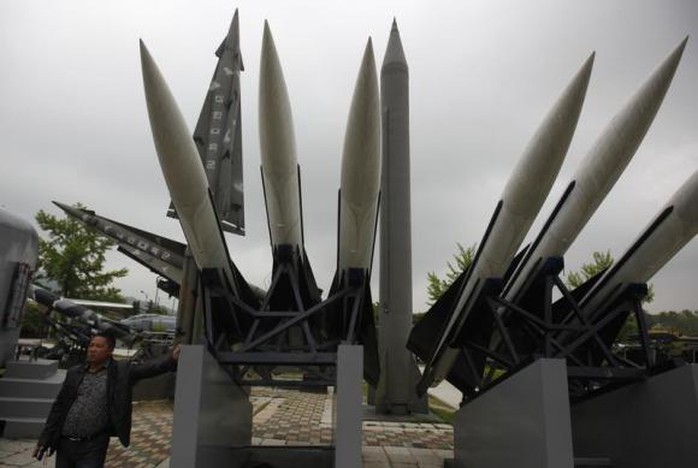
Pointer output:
x,y
348,414
645,425
212,415
523,422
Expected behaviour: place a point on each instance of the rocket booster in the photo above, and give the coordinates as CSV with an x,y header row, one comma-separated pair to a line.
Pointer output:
x,y
184,173
162,255
278,150
76,311
598,172
521,201
670,230
361,171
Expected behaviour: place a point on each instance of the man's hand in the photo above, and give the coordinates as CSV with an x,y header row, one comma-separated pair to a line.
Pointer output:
x,y
175,352
40,451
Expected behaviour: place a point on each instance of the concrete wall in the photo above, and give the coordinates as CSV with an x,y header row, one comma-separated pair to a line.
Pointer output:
x,y
649,424
523,422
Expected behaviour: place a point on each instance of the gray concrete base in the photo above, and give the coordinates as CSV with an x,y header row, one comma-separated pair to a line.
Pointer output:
x,y
212,415
155,388
213,418
8,341
523,422
649,424
27,392
38,369
348,413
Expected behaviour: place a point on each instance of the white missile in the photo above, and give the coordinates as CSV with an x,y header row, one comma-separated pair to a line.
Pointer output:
x,y
361,171
184,173
670,230
278,150
521,201
598,172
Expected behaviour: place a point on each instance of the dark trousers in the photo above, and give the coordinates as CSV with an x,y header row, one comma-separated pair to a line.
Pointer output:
x,y
84,454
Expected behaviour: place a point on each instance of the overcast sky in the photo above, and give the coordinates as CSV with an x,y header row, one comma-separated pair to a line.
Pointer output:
x,y
74,125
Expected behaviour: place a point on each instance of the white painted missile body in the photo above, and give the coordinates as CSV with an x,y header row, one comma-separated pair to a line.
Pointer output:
x,y
184,173
522,199
361,171
670,230
278,150
598,172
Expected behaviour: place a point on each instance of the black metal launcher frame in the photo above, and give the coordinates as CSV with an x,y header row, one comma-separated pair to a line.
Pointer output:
x,y
502,337
254,342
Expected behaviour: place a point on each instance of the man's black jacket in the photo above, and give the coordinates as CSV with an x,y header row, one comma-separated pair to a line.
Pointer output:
x,y
121,375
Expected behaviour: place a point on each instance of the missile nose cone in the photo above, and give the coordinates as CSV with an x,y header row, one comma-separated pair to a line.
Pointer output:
x,y
71,210
60,205
668,67
538,168
174,146
276,133
148,66
362,137
619,141
233,37
590,61
394,53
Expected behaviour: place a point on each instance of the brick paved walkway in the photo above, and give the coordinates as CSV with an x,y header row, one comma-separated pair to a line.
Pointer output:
x,y
281,417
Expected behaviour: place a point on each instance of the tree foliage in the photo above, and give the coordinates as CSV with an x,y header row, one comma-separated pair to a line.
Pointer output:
x,y
462,261
73,256
601,261
679,323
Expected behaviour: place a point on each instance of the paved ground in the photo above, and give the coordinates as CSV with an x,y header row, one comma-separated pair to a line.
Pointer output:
x,y
281,417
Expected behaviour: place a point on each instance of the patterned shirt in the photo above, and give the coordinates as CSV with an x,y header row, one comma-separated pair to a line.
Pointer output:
x,y
89,414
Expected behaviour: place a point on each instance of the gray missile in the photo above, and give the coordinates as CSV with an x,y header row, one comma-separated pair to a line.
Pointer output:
x,y
154,264
73,310
184,174
163,255
278,150
670,230
218,134
361,171
395,392
598,172
522,199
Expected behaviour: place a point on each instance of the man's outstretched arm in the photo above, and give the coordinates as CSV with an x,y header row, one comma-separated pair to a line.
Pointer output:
x,y
156,366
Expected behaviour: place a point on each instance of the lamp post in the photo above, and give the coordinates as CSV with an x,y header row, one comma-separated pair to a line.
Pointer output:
x,y
147,300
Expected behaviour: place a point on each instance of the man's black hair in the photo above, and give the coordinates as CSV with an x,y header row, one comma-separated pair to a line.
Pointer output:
x,y
111,341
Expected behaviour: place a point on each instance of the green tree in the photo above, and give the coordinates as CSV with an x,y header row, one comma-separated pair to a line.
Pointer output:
x,y
437,286
73,256
601,261
32,321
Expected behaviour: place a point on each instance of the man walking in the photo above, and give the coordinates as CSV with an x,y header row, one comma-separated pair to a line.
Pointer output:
x,y
93,404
